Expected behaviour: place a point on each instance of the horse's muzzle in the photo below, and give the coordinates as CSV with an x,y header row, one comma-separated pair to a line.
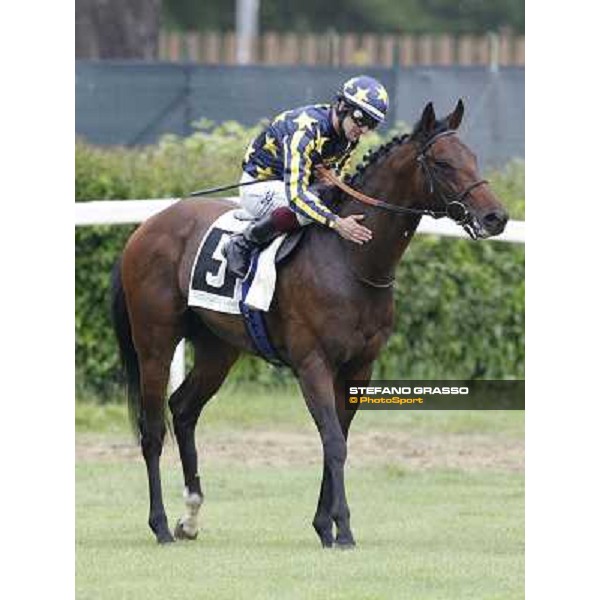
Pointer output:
x,y
495,221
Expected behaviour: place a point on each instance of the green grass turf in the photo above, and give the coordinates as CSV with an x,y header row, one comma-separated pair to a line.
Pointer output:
x,y
285,409
421,534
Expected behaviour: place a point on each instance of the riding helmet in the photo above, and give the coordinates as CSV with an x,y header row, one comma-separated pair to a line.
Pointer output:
x,y
368,94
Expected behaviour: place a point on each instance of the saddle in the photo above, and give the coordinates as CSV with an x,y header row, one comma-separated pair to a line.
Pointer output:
x,y
289,245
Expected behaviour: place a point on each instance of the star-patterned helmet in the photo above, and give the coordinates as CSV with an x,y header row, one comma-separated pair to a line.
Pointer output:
x,y
367,94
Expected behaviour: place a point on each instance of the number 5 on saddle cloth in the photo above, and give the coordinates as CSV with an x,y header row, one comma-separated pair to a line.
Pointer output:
x,y
214,287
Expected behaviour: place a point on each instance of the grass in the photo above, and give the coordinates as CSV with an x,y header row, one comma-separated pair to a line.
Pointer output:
x,y
234,407
421,534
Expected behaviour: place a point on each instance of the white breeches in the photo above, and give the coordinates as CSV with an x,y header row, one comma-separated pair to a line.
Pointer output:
x,y
261,199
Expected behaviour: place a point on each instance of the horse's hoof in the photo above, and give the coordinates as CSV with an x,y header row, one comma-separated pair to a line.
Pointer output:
x,y
165,538
349,546
325,534
181,534
160,528
345,543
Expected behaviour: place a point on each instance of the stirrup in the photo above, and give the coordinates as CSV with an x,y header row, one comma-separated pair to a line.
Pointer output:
x,y
239,255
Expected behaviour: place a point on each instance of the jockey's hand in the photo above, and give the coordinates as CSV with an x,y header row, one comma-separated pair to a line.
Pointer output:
x,y
350,229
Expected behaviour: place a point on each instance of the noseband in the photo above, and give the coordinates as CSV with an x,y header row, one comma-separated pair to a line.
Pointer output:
x,y
454,202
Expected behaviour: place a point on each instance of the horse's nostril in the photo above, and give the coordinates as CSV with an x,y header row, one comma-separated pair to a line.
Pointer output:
x,y
495,221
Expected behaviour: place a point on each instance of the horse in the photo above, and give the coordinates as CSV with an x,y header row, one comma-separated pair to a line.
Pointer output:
x,y
331,316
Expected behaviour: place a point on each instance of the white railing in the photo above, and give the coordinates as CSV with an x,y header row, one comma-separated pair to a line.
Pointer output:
x,y
122,212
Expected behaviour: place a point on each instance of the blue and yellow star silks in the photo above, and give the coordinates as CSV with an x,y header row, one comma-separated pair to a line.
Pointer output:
x,y
289,149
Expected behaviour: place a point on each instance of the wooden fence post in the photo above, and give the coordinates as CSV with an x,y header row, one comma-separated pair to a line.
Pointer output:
x,y
388,43
229,46
369,50
445,50
505,47
482,50
425,45
173,47
465,50
212,45
290,51
336,53
349,45
519,53
309,50
272,48
407,50
323,49
192,46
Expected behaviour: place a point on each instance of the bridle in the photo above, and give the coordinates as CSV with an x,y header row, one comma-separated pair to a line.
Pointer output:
x,y
453,202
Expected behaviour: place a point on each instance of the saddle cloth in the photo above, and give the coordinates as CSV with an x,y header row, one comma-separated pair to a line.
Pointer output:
x,y
213,286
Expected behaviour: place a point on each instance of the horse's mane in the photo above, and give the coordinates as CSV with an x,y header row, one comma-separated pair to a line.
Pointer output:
x,y
332,196
373,156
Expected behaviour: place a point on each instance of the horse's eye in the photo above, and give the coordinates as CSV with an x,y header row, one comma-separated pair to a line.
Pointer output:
x,y
445,166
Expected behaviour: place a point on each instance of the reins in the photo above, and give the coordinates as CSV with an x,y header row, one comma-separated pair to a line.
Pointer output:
x,y
329,176
454,203
435,184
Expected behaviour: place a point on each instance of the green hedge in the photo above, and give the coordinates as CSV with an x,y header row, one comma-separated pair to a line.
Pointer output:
x,y
460,304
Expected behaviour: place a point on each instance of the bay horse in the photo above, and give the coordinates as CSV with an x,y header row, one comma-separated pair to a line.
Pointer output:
x,y
332,312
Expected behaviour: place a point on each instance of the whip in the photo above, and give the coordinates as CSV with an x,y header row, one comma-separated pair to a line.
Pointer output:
x,y
223,188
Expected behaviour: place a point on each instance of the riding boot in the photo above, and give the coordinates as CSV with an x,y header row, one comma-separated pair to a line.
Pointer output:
x,y
239,250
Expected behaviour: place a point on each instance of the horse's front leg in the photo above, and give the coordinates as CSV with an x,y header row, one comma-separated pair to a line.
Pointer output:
x,y
323,523
316,381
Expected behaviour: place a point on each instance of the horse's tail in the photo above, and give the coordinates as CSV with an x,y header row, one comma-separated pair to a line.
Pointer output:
x,y
128,354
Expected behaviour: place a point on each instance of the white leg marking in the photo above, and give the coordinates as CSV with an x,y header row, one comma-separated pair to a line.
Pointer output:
x,y
189,522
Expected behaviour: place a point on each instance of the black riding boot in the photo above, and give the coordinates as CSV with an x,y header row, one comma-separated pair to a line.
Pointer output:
x,y
239,250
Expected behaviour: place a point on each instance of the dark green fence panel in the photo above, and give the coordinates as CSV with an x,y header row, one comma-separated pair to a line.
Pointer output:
x,y
131,103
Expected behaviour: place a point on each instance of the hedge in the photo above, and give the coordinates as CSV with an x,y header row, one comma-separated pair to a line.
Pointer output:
x,y
459,304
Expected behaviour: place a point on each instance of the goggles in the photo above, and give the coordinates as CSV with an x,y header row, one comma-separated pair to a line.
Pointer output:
x,y
362,119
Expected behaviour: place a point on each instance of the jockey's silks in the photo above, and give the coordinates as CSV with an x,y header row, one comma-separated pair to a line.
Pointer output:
x,y
290,147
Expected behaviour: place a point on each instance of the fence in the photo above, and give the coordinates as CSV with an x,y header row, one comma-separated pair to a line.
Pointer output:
x,y
349,49
120,212
135,102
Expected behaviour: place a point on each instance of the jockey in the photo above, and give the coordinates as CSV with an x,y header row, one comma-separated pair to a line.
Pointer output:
x,y
282,160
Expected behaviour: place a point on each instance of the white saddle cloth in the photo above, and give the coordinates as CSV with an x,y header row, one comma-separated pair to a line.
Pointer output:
x,y
212,286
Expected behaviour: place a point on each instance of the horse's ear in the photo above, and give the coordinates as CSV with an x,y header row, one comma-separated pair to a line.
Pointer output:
x,y
427,121
455,118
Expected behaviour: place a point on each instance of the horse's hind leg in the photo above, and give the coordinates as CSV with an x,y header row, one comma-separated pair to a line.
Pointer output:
x,y
213,359
154,376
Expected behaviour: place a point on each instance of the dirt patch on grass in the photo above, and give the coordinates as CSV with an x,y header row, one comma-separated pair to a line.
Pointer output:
x,y
468,452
